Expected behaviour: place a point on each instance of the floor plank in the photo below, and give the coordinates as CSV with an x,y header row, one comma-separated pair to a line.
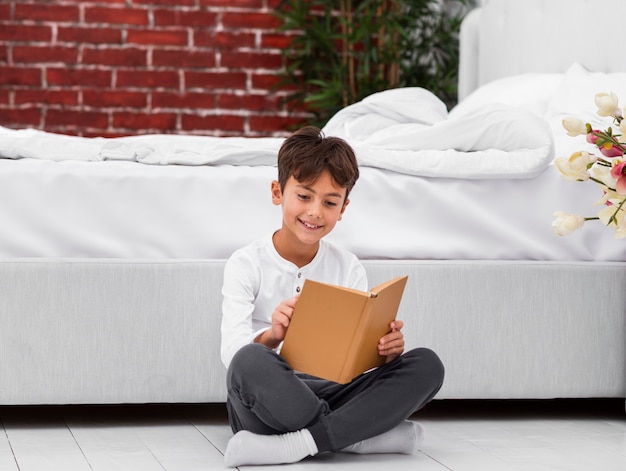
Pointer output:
x,y
511,435
42,441
143,438
7,460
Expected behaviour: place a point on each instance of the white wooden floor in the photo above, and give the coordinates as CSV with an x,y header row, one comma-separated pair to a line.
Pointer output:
x,y
460,436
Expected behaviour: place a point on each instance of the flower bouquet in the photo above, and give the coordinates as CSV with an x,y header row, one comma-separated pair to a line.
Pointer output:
x,y
608,169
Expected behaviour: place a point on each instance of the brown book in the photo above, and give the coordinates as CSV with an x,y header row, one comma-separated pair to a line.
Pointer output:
x,y
334,331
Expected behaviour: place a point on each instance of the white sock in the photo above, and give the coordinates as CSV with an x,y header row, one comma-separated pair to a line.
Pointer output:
x,y
404,438
247,448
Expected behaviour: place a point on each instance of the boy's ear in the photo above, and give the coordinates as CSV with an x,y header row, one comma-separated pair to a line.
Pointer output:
x,y
277,194
343,208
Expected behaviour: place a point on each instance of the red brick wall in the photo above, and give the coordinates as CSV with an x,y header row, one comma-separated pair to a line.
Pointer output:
x,y
120,67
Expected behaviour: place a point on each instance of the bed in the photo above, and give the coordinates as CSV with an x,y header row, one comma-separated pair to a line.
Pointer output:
x,y
112,250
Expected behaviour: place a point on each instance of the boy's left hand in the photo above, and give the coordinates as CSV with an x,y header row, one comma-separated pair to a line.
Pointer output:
x,y
392,344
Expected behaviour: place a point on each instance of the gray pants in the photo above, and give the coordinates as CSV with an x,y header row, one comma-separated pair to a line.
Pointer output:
x,y
265,396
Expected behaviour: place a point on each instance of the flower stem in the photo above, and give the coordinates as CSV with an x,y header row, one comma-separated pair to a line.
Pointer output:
x,y
601,183
614,216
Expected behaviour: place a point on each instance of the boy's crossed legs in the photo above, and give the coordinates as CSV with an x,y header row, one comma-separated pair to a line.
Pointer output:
x,y
281,417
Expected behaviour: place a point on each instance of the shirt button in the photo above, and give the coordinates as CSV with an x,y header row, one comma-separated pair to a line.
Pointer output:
x,y
299,275
297,289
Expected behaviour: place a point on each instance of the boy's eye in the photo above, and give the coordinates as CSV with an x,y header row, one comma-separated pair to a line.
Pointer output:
x,y
303,197
331,203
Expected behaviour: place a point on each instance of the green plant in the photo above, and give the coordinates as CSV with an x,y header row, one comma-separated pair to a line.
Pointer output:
x,y
343,50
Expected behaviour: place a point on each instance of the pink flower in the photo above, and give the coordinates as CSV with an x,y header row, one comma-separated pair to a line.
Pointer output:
x,y
608,149
618,172
604,142
592,137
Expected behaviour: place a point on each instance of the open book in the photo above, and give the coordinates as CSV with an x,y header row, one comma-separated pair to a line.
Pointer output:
x,y
334,331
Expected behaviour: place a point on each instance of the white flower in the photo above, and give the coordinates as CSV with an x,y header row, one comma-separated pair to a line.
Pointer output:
x,y
611,216
566,223
574,126
622,128
607,104
574,167
620,233
609,196
602,173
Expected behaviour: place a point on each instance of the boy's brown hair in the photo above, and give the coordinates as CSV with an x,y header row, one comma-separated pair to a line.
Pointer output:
x,y
308,152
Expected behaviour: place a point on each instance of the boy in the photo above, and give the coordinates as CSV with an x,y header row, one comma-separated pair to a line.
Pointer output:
x,y
281,416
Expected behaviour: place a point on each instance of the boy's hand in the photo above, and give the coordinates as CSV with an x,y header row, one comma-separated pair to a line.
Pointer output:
x,y
392,344
281,317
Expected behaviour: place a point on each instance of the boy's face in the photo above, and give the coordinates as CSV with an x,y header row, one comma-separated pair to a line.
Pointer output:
x,y
310,210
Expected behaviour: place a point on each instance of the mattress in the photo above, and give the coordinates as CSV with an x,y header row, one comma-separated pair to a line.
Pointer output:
x,y
475,183
119,209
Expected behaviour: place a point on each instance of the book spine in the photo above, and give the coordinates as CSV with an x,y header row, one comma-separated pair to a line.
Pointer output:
x,y
347,372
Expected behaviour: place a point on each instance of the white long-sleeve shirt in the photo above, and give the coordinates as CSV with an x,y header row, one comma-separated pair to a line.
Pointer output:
x,y
257,279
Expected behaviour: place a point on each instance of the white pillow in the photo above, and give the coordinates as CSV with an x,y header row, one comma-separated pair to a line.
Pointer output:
x,y
532,91
576,95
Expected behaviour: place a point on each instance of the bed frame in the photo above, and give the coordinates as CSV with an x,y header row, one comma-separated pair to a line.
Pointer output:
x,y
79,331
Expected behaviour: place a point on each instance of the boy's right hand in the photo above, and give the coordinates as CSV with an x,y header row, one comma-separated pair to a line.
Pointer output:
x,y
281,317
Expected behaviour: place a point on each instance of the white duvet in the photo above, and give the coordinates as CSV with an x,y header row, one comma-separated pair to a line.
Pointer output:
x,y
406,130
409,130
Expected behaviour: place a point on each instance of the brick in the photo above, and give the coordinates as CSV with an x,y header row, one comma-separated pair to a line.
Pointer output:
x,y
25,33
188,18
114,98
116,56
91,35
213,122
274,123
165,2
252,60
108,2
76,118
215,80
116,16
105,133
46,96
184,58
224,39
251,4
185,100
265,81
147,79
248,102
44,54
275,41
80,2
5,11
5,96
19,118
157,37
79,76
145,121
253,20
295,107
46,12
25,76
4,53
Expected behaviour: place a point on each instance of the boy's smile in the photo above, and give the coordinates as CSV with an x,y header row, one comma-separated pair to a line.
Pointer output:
x,y
310,211
310,226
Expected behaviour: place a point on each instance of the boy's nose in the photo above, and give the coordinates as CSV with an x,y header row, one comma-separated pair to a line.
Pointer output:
x,y
314,210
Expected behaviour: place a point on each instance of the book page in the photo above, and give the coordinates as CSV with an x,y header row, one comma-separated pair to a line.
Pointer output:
x,y
322,329
382,311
